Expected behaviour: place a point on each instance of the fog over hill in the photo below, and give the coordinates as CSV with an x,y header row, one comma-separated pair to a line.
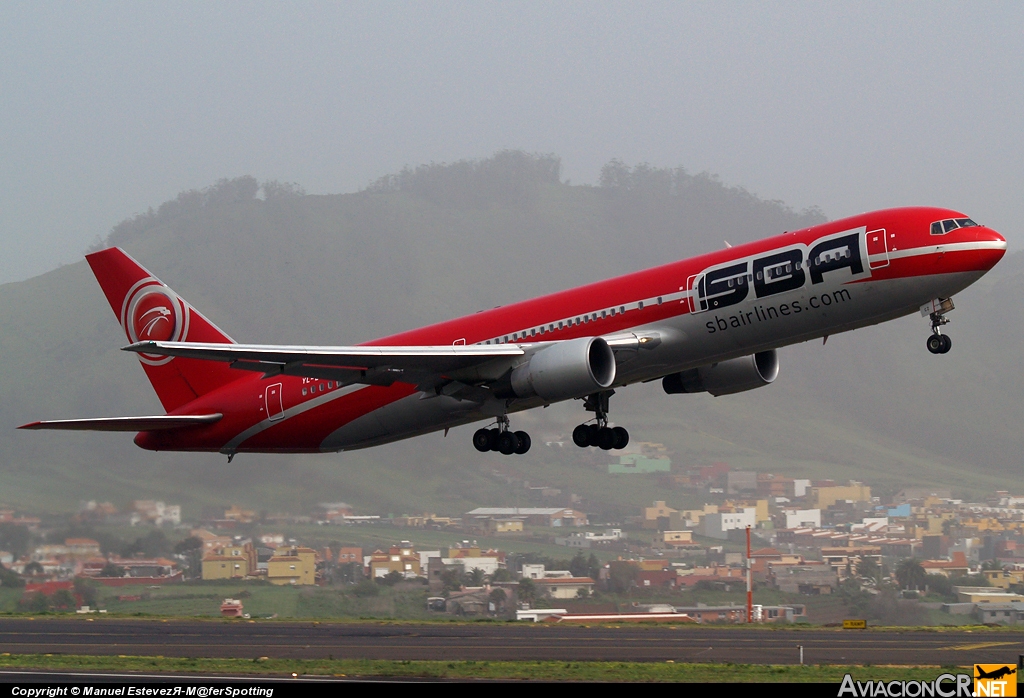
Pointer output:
x,y
270,264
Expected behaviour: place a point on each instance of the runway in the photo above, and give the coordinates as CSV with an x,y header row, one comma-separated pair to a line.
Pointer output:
x,y
501,641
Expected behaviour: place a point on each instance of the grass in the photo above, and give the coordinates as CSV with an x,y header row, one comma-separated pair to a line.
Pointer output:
x,y
532,671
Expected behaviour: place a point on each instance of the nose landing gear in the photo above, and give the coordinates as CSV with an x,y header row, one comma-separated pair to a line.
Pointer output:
x,y
939,343
600,434
936,310
501,439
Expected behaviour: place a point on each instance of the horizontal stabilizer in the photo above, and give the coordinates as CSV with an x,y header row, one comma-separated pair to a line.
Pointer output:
x,y
149,423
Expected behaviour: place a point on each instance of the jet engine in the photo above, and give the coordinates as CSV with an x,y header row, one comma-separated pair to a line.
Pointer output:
x,y
726,377
569,369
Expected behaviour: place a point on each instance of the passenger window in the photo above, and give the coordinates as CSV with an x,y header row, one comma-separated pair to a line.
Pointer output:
x,y
533,333
659,300
640,305
303,391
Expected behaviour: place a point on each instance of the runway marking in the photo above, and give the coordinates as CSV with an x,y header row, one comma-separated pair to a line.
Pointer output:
x,y
978,646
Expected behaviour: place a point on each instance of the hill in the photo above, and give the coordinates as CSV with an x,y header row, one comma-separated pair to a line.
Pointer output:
x,y
270,264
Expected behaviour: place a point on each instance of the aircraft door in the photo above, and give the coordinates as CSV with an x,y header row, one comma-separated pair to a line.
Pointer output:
x,y
274,402
877,245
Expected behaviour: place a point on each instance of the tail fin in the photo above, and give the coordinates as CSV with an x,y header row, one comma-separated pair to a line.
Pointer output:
x,y
147,309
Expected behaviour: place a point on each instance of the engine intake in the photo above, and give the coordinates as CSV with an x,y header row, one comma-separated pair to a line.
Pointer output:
x,y
569,369
726,377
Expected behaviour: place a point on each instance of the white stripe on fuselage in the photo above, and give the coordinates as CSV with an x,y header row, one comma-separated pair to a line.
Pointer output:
x,y
939,249
232,445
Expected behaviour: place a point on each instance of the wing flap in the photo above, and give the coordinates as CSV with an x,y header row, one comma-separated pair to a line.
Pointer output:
x,y
374,365
146,423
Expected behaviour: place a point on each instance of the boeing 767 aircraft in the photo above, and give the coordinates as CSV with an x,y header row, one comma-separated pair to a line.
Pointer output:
x,y
711,323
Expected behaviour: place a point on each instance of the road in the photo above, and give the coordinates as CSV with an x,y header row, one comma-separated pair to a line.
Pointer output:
x,y
500,641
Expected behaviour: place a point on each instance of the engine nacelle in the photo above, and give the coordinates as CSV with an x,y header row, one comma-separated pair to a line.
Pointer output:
x,y
726,377
569,369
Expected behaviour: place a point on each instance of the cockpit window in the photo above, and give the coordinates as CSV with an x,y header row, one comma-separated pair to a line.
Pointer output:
x,y
943,227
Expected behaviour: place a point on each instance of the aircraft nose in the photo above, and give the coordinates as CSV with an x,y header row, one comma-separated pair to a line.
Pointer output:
x,y
992,246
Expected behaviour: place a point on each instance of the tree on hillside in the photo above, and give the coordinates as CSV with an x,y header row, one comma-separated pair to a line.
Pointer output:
x,y
526,591
112,570
578,565
14,538
910,574
153,544
10,579
621,575
866,567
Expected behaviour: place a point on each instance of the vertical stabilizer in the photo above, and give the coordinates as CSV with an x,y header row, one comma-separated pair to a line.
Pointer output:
x,y
148,309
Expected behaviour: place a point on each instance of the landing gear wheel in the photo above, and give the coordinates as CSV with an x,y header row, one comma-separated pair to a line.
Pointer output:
x,y
524,442
494,434
482,440
621,437
507,443
936,344
606,439
581,436
947,344
593,430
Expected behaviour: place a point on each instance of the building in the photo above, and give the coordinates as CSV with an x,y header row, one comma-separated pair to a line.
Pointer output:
x,y
805,579
718,525
292,566
677,539
636,463
1003,579
955,567
349,555
533,516
802,518
230,562
826,496
402,559
659,516
564,587
157,513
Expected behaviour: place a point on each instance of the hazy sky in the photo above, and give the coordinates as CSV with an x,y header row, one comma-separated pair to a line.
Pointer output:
x,y
108,108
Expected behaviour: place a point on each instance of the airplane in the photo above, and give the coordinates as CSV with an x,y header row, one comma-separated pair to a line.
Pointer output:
x,y
712,323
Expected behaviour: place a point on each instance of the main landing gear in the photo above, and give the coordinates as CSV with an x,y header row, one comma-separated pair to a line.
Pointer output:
x,y
599,434
939,343
501,439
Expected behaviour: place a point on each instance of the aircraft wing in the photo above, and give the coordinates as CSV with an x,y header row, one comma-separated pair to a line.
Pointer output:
x,y
147,423
371,365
